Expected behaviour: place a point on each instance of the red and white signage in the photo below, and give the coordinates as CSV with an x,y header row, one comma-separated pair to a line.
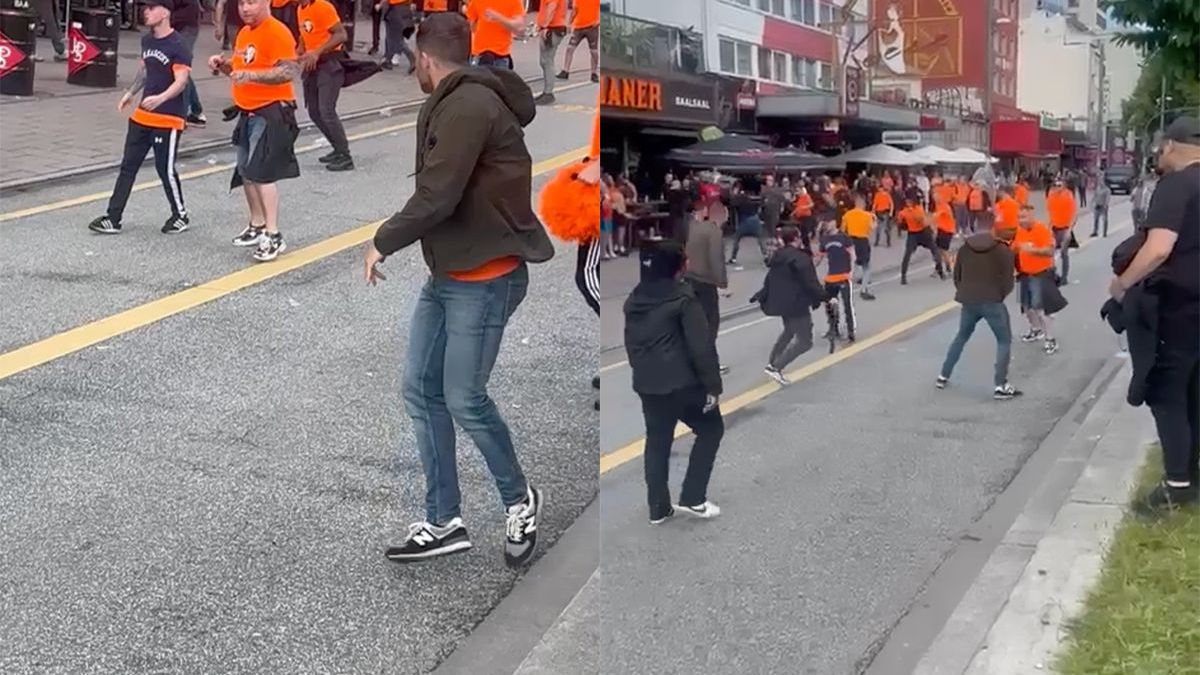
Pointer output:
x,y
10,55
80,50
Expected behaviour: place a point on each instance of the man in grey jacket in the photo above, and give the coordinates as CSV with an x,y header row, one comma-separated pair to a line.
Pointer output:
x,y
706,263
1100,208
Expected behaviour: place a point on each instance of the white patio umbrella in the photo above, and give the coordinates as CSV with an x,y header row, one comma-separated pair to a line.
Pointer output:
x,y
881,154
933,154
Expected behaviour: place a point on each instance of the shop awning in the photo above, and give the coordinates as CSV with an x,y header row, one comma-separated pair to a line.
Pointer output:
x,y
881,155
737,153
933,154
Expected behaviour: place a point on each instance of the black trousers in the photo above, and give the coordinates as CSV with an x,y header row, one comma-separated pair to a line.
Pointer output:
x,y
287,14
322,86
912,242
587,273
376,20
796,339
138,141
706,293
844,291
1173,398
662,413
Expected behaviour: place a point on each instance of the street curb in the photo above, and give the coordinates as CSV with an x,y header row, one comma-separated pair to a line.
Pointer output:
x,y
502,642
1011,620
42,180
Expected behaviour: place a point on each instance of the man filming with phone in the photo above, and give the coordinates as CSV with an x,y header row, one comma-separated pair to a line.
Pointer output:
x,y
675,372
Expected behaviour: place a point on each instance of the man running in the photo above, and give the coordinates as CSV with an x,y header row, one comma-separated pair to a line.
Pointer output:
x,y
944,222
322,37
585,25
858,223
262,69
1062,209
983,278
675,373
493,25
790,291
157,120
1034,245
471,211
915,224
836,250
552,28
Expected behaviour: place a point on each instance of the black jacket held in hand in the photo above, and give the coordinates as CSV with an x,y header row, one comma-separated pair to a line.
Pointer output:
x,y
983,270
668,341
791,287
471,202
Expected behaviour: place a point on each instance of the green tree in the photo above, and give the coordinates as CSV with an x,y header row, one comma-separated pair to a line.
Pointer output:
x,y
1140,111
1167,27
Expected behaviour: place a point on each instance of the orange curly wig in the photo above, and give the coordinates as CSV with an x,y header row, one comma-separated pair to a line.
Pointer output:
x,y
570,208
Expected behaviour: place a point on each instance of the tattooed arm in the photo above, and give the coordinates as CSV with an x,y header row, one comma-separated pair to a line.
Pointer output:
x,y
139,81
284,71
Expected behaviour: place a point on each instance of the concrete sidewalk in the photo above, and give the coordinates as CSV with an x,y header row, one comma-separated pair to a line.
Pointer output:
x,y
1013,619
64,129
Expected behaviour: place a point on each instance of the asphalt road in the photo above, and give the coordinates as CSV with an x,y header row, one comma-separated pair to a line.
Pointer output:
x,y
212,493
840,494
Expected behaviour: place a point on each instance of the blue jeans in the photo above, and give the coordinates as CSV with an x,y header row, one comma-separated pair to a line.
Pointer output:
x,y
191,95
453,343
1099,213
996,316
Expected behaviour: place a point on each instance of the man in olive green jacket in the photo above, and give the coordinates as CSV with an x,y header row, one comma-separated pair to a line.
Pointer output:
x,y
471,210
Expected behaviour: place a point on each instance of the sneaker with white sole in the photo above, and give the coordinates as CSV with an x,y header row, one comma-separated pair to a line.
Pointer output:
x,y
105,225
176,224
1033,336
660,520
705,510
269,247
249,236
1050,346
425,541
941,382
777,375
520,529
1005,392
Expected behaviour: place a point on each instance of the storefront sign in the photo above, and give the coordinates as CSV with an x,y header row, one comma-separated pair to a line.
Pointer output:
x,y
901,137
631,93
932,123
656,98
1047,122
853,90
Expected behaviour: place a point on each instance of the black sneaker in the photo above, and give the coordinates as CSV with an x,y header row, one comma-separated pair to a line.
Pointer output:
x,y
563,75
328,157
595,77
175,225
544,99
1005,392
1166,498
104,225
867,295
596,382
777,375
705,510
386,65
425,541
198,120
269,247
249,236
340,163
1033,336
903,281
520,530
941,381
662,519
1051,346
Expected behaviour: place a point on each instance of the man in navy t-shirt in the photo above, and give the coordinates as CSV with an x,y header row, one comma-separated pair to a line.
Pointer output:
x,y
837,251
156,121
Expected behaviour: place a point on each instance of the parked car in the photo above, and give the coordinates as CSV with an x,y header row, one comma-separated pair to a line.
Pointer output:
x,y
1121,178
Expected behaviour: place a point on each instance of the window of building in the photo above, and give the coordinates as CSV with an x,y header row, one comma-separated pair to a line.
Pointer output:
x,y
736,57
827,15
780,66
825,76
779,7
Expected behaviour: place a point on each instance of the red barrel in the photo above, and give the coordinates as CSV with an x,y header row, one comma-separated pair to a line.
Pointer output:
x,y
92,47
18,31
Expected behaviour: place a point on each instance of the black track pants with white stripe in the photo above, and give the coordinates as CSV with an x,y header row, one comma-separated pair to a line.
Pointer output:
x,y
138,141
587,273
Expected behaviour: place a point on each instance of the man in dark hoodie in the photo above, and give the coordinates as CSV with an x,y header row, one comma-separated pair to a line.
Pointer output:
x,y
983,276
675,372
472,213
790,291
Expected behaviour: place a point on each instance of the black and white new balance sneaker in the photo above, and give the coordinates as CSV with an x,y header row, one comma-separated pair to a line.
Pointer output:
x,y
105,225
520,538
705,510
175,224
941,381
1033,335
425,541
269,247
1005,392
249,236
1050,346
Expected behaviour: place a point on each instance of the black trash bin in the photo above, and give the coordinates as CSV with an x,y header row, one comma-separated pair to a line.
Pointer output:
x,y
102,28
19,26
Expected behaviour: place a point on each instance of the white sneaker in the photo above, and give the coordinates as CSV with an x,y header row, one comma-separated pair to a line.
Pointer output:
x,y
705,510
777,375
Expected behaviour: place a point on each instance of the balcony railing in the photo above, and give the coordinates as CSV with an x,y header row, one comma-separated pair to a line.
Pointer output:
x,y
626,42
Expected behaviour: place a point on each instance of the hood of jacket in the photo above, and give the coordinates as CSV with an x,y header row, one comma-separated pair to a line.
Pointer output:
x,y
509,86
982,242
650,296
785,255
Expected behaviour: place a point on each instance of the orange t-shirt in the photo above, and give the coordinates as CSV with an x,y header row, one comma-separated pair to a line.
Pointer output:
x,y
943,193
943,217
492,269
276,4
258,48
1021,193
1061,207
587,14
857,223
317,21
804,206
436,6
914,219
556,20
961,192
1041,237
492,36
1008,213
883,201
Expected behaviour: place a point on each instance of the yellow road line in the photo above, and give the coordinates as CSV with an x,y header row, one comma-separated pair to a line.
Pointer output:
x,y
75,339
207,171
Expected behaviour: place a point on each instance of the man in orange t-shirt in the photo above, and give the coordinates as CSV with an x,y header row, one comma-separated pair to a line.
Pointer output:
x,y
858,223
262,68
1008,213
585,25
493,25
884,209
916,227
552,28
1034,246
1062,211
1021,192
322,37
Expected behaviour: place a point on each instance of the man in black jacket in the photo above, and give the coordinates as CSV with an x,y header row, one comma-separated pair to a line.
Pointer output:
x,y
983,278
472,213
791,290
1166,267
186,20
675,372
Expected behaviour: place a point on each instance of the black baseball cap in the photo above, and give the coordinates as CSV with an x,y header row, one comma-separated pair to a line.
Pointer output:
x,y
1185,129
660,259
168,4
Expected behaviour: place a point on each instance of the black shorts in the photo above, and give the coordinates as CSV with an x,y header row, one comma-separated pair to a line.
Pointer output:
x,y
944,239
494,60
592,35
266,144
862,250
